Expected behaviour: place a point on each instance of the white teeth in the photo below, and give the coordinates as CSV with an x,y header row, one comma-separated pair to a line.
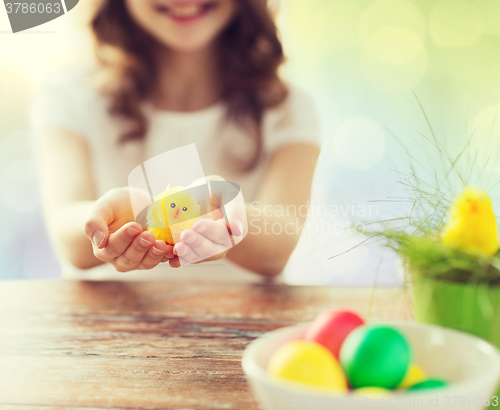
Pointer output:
x,y
185,11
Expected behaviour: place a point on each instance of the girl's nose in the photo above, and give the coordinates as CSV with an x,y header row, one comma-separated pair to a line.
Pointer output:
x,y
177,213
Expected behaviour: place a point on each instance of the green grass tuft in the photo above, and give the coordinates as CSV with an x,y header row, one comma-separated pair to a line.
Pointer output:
x,y
426,256
416,238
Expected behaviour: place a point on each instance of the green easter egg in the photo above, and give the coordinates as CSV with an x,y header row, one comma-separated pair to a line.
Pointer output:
x,y
428,384
375,356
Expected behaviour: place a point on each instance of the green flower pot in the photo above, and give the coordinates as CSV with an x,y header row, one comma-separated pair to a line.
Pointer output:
x,y
469,307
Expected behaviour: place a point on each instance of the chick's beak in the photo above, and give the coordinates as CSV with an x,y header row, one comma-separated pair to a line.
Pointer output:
x,y
474,206
176,213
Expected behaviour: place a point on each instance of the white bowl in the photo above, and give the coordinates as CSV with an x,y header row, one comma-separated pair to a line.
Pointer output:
x,y
471,365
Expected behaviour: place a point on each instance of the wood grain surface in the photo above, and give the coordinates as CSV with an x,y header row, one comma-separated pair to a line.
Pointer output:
x,y
157,344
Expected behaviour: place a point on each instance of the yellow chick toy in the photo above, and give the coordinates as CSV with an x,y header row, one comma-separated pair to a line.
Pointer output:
x,y
176,205
472,225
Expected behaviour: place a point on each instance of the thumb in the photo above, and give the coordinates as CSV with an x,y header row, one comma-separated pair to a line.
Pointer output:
x,y
236,214
97,222
230,199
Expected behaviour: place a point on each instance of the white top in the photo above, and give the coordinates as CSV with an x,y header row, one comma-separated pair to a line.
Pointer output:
x,y
68,101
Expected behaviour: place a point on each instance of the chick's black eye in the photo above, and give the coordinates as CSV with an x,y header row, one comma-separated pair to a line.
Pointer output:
x,y
172,205
184,209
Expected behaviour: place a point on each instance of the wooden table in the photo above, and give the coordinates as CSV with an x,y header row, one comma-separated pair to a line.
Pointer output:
x,y
158,344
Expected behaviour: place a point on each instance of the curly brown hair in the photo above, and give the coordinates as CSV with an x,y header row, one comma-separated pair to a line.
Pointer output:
x,y
250,56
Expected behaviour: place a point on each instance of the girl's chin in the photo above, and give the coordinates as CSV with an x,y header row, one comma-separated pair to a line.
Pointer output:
x,y
183,45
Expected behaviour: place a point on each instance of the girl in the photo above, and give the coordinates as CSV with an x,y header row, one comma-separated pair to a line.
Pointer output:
x,y
170,73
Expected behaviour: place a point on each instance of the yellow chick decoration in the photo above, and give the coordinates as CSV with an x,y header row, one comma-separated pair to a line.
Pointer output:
x,y
176,205
472,226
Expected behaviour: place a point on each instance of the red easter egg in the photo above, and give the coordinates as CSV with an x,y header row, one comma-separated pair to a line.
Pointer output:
x,y
331,328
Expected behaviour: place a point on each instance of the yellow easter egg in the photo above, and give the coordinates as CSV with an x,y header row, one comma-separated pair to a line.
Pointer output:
x,y
414,375
372,392
309,363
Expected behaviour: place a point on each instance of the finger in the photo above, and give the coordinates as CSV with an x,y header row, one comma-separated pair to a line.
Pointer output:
x,y
184,262
215,231
205,246
175,262
186,254
154,256
235,212
228,196
119,241
96,224
169,253
136,252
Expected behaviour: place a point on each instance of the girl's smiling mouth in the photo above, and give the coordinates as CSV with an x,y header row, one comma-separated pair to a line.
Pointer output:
x,y
186,11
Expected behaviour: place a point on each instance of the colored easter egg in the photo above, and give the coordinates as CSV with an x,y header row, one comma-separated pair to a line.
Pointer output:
x,y
429,384
414,375
307,362
332,327
372,392
375,356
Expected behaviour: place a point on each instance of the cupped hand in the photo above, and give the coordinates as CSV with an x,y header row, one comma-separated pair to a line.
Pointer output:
x,y
119,240
227,202
211,237
208,240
